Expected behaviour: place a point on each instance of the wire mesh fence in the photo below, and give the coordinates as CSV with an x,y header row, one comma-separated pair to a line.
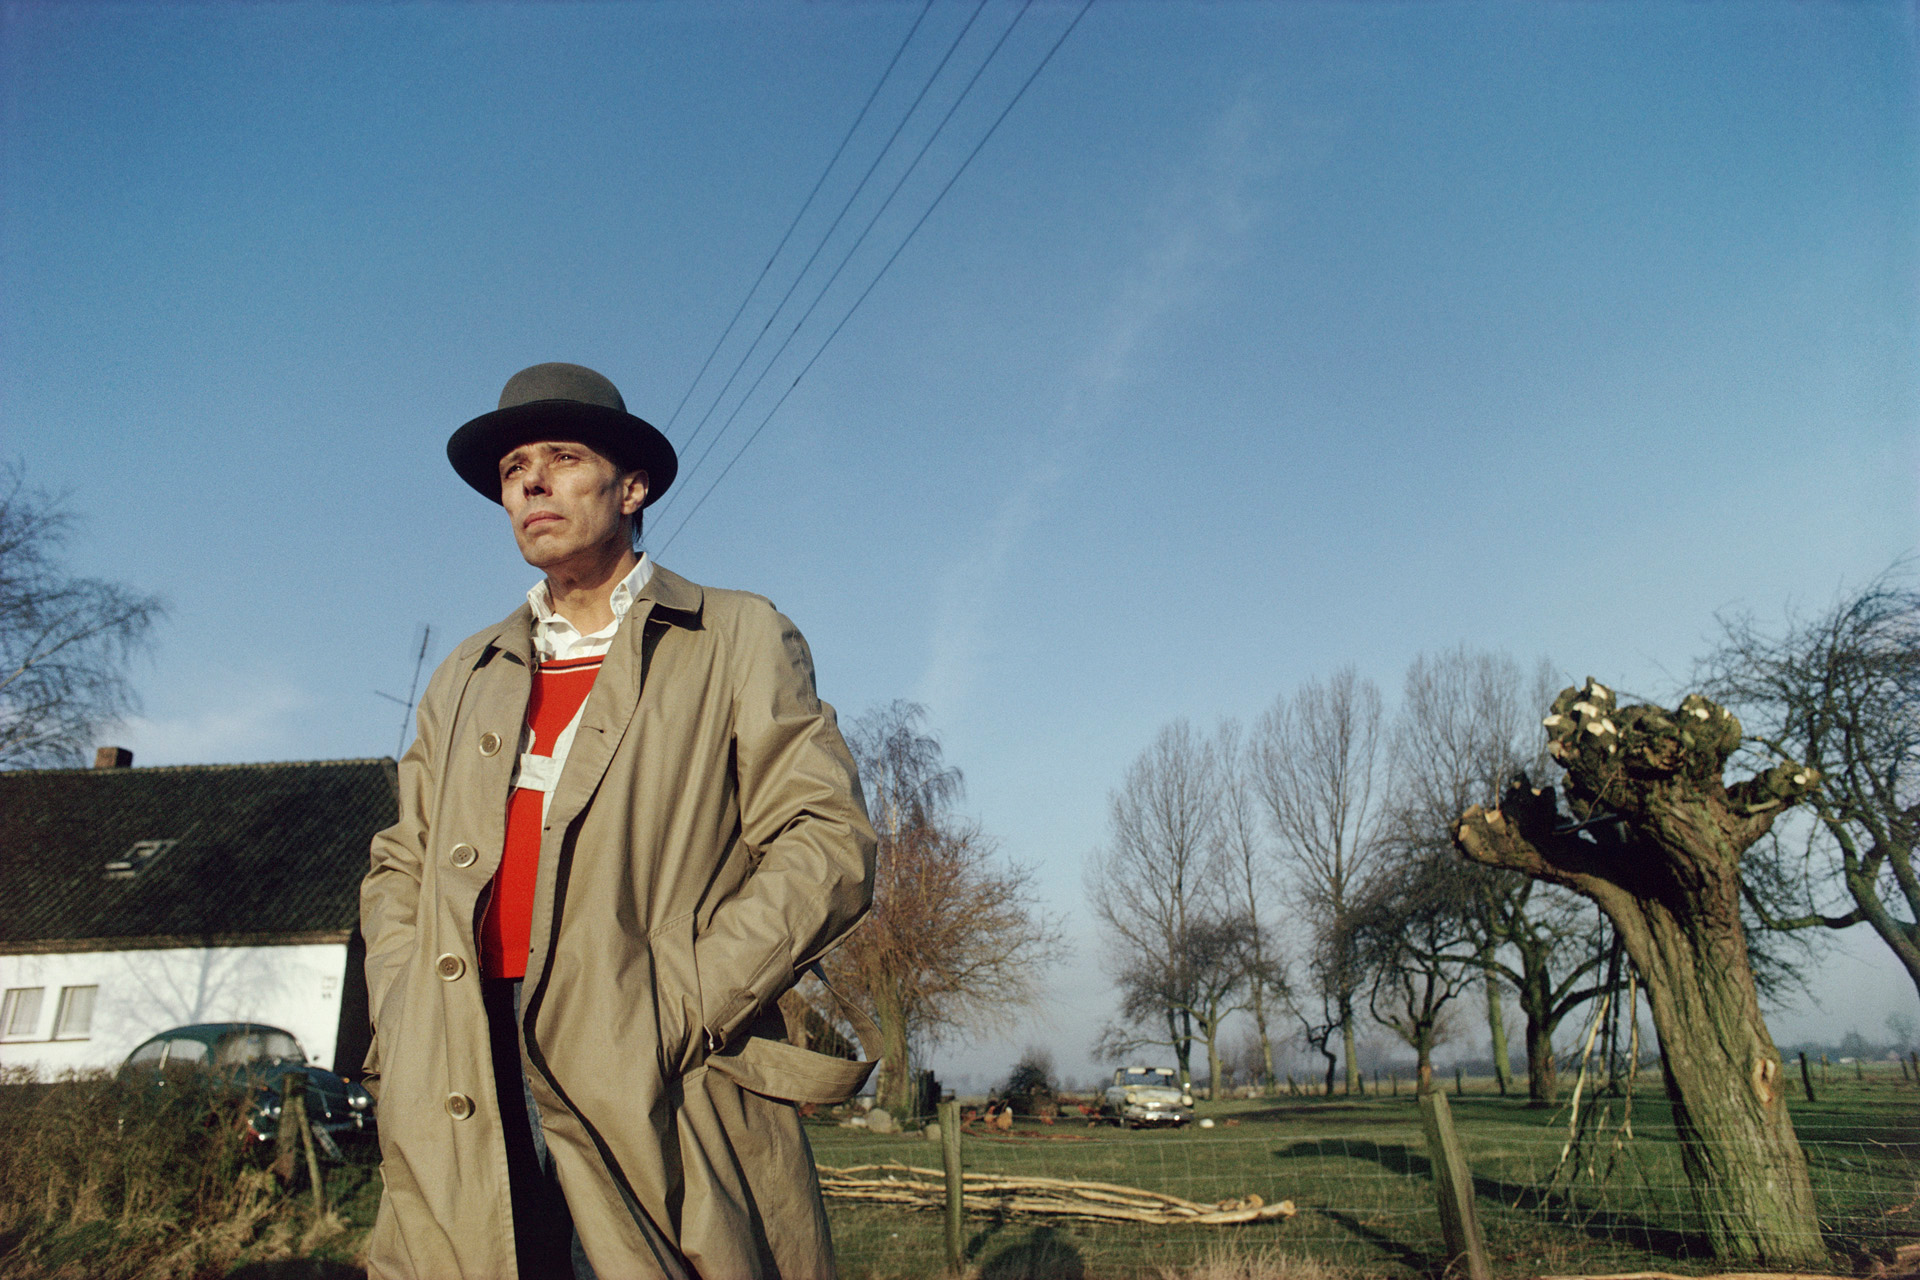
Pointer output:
x,y
1557,1194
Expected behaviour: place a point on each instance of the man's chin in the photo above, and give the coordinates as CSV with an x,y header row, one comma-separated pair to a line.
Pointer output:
x,y
542,554
547,554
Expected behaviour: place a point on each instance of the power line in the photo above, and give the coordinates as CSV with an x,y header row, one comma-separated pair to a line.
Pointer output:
x,y
792,226
828,235
1007,110
861,239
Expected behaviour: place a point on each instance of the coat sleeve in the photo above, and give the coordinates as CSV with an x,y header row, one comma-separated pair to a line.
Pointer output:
x,y
801,809
390,893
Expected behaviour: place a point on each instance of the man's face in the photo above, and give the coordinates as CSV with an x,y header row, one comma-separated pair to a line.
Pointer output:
x,y
566,500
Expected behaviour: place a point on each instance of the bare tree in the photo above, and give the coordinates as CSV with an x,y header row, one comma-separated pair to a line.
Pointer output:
x,y
1155,888
1408,928
955,938
1655,838
64,641
1331,962
1840,692
1467,726
1248,873
1215,968
1318,768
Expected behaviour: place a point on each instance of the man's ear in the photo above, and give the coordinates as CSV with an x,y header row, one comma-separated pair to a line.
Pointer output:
x,y
635,495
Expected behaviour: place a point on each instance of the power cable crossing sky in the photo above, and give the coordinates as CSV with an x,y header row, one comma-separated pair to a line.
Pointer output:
x,y
905,240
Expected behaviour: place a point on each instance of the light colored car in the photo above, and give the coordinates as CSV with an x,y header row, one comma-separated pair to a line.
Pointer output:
x,y
1146,1095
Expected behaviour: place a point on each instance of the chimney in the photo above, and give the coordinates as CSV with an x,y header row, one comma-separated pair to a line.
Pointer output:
x,y
113,758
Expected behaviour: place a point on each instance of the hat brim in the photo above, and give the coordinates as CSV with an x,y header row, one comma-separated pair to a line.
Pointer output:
x,y
631,443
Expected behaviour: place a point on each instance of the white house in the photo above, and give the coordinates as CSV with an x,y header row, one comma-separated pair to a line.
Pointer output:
x,y
136,900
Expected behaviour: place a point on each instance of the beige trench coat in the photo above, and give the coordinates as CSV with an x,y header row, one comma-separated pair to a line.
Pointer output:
x,y
706,841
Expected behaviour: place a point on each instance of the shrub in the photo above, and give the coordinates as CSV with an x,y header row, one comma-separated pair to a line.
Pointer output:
x,y
1030,1087
112,1178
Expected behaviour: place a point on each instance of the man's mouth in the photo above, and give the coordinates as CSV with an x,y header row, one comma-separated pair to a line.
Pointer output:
x,y
539,518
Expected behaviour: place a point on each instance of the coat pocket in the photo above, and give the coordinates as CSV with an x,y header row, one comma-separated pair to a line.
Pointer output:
x,y
370,1068
676,993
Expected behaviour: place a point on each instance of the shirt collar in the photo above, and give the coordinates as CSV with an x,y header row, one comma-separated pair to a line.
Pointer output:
x,y
540,600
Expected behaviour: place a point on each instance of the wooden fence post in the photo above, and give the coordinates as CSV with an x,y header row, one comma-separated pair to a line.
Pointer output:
x,y
1453,1184
295,1128
956,1206
1806,1076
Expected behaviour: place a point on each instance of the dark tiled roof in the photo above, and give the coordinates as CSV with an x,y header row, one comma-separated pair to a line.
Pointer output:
x,y
264,849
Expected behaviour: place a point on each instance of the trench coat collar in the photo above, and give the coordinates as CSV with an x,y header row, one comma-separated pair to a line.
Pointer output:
x,y
679,603
673,593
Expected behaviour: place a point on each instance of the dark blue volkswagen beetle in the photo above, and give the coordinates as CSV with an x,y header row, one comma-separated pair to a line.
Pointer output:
x,y
258,1058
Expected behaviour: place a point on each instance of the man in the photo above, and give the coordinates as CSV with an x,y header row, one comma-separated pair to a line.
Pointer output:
x,y
626,825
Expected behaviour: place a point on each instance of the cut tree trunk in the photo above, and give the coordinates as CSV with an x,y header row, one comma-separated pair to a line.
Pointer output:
x,y
1656,839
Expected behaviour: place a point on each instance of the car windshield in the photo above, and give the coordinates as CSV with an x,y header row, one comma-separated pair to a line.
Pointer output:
x,y
1160,1078
183,1050
244,1047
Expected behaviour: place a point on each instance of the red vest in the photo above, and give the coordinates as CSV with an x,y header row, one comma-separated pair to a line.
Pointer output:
x,y
559,690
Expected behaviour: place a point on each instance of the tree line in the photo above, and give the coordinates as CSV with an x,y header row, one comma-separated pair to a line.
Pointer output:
x,y
1301,871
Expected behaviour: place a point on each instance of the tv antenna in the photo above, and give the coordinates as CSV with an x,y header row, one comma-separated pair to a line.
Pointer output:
x,y
406,717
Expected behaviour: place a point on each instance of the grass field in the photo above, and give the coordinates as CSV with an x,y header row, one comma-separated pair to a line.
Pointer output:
x,y
1359,1175
1357,1170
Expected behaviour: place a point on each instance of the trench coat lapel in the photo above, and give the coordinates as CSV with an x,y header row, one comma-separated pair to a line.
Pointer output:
x,y
500,706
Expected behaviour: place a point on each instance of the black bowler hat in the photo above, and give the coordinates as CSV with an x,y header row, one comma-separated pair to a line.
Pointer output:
x,y
561,402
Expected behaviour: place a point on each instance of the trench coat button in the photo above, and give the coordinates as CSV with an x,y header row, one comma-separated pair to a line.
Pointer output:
x,y
459,1106
463,855
449,966
489,743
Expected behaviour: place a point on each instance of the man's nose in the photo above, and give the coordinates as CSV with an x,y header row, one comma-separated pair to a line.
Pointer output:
x,y
533,478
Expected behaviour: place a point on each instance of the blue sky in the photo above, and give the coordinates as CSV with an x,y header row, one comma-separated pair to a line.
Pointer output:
x,y
1258,340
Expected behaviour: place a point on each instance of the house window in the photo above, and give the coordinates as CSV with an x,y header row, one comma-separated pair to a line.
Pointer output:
x,y
20,1017
74,1021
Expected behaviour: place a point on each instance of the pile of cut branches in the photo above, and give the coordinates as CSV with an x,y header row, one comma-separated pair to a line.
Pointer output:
x,y
1041,1197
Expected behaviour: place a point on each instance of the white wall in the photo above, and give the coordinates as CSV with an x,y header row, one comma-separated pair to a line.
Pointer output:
x,y
140,993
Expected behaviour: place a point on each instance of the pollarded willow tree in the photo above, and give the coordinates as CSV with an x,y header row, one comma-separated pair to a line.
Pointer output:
x,y
1655,838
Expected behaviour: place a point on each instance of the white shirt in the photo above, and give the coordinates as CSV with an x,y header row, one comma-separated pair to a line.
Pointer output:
x,y
556,639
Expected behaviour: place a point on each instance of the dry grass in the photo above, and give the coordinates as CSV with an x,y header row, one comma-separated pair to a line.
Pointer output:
x,y
122,1180
1230,1263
